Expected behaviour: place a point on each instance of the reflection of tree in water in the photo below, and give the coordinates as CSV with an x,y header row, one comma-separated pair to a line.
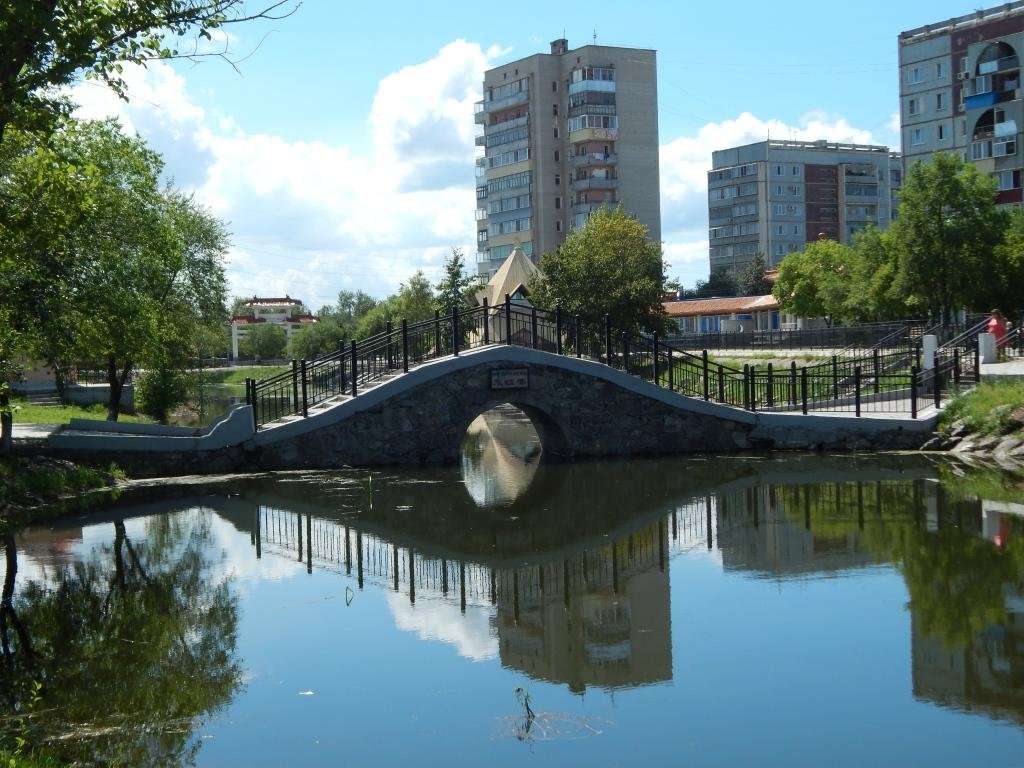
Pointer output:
x,y
126,648
957,580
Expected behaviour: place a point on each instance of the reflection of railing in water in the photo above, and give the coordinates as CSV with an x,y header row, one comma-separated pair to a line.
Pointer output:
x,y
332,545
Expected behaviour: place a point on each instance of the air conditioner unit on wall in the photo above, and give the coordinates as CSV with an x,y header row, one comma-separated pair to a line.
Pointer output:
x,y
963,75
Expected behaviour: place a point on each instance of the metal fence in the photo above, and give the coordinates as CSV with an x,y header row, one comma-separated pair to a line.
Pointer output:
x,y
889,376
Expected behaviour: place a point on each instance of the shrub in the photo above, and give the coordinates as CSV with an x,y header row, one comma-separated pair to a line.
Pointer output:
x,y
161,390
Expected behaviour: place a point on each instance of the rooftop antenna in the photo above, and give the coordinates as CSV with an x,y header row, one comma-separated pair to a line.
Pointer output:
x,y
595,37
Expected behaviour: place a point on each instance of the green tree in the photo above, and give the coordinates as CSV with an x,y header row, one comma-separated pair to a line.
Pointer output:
x,y
876,286
720,282
457,288
816,282
317,339
160,390
413,302
946,234
1005,277
608,266
48,44
112,268
752,279
264,341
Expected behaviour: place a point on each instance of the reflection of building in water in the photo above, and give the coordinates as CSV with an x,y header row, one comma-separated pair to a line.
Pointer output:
x,y
48,547
599,619
760,529
500,456
987,674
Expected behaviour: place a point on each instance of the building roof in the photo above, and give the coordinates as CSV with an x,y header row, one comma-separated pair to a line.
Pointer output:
x,y
721,306
273,301
513,274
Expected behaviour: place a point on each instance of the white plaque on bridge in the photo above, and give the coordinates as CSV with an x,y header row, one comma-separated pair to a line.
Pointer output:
x,y
510,378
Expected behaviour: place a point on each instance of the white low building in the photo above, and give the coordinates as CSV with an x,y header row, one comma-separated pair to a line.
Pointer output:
x,y
286,312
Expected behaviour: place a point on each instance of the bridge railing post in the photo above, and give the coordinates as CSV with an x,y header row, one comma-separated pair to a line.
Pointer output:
x,y
405,346
721,385
437,333
654,366
250,397
576,334
835,377
913,391
704,373
937,383
956,365
533,327
876,369
558,330
295,385
625,351
342,381
671,371
508,319
607,340
388,330
770,397
455,331
354,362
856,390
487,323
803,390
792,383
746,386
977,363
305,402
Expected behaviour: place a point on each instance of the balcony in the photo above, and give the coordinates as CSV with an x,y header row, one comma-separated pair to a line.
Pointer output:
x,y
593,158
504,125
509,101
588,208
481,213
479,113
595,182
1003,64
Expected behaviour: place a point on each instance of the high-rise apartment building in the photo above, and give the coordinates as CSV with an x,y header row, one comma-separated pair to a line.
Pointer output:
x,y
564,133
774,197
960,91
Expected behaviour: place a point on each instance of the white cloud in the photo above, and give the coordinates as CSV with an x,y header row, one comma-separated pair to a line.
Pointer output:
x,y
309,217
470,633
686,160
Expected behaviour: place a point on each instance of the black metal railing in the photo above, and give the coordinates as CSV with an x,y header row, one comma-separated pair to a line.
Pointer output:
x,y
887,377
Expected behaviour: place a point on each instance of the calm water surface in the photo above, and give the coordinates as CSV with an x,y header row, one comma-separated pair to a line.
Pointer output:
x,y
793,611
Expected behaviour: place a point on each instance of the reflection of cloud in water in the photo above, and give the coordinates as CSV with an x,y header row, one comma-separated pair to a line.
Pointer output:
x,y
500,456
471,634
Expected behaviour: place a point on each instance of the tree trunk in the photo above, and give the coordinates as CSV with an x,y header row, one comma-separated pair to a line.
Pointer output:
x,y
6,425
60,381
116,383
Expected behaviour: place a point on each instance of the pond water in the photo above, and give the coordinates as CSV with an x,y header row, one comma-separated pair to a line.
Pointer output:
x,y
788,610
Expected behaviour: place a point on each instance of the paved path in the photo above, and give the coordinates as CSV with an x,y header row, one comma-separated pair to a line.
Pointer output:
x,y
1014,368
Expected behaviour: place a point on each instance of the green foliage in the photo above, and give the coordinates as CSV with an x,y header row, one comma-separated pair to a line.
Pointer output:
x,y
111,267
47,45
1005,278
817,281
32,413
946,235
752,280
990,408
413,302
238,375
608,266
264,341
158,391
720,282
457,288
29,481
317,339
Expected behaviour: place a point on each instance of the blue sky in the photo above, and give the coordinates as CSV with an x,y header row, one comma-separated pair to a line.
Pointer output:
x,y
341,154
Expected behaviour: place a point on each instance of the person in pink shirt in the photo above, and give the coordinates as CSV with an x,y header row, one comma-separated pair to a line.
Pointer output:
x,y
997,327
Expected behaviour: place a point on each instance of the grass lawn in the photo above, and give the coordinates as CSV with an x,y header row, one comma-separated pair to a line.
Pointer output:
x,y
31,413
988,408
239,375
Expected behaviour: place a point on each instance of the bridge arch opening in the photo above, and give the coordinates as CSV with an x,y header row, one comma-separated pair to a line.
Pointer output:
x,y
502,449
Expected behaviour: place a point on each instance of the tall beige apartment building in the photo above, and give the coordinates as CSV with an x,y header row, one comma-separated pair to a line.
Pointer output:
x,y
960,91
562,134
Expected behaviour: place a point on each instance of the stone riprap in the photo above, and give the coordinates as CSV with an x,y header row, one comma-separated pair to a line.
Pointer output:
x,y
581,409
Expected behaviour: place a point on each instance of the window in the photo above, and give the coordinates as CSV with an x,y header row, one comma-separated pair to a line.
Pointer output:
x,y
963,127
914,75
558,179
778,189
1007,180
940,101
1003,147
750,188
556,133
912,106
795,170
554,110
939,70
558,203
554,86
778,170
556,155
940,132
917,137
796,229
558,225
